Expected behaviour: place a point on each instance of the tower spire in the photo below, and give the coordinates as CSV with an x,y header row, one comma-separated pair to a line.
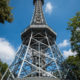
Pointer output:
x,y
38,17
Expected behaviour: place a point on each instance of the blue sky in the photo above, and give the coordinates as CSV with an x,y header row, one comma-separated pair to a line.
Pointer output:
x,y
57,15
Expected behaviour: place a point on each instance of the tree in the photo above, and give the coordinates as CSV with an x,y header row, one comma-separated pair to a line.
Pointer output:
x,y
74,66
74,61
0,76
3,67
5,11
74,27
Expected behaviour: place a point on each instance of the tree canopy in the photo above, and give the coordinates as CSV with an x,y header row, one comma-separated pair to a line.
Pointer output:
x,y
5,11
74,65
74,61
74,27
3,67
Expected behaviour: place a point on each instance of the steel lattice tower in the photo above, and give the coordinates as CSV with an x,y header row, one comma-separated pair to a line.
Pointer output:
x,y
38,55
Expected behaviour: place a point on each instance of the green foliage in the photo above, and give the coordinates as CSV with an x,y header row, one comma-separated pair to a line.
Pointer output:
x,y
0,75
3,67
74,27
5,11
74,64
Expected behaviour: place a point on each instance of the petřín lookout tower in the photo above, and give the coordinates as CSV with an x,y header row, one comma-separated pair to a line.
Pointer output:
x,y
38,57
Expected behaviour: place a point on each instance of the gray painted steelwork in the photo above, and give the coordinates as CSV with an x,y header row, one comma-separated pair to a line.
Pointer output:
x,y
38,57
38,17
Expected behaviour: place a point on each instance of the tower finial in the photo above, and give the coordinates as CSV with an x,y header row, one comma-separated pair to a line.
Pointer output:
x,y
36,0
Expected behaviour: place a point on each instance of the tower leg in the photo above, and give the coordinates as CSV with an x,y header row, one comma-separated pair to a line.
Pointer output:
x,y
25,56
53,55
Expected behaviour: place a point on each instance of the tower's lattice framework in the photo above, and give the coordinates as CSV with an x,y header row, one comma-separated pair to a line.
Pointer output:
x,y
38,55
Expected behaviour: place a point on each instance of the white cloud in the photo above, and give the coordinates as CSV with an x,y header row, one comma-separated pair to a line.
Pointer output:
x,y
78,29
69,53
49,8
65,43
7,52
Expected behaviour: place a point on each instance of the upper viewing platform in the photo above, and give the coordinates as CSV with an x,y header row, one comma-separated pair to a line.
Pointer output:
x,y
34,1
